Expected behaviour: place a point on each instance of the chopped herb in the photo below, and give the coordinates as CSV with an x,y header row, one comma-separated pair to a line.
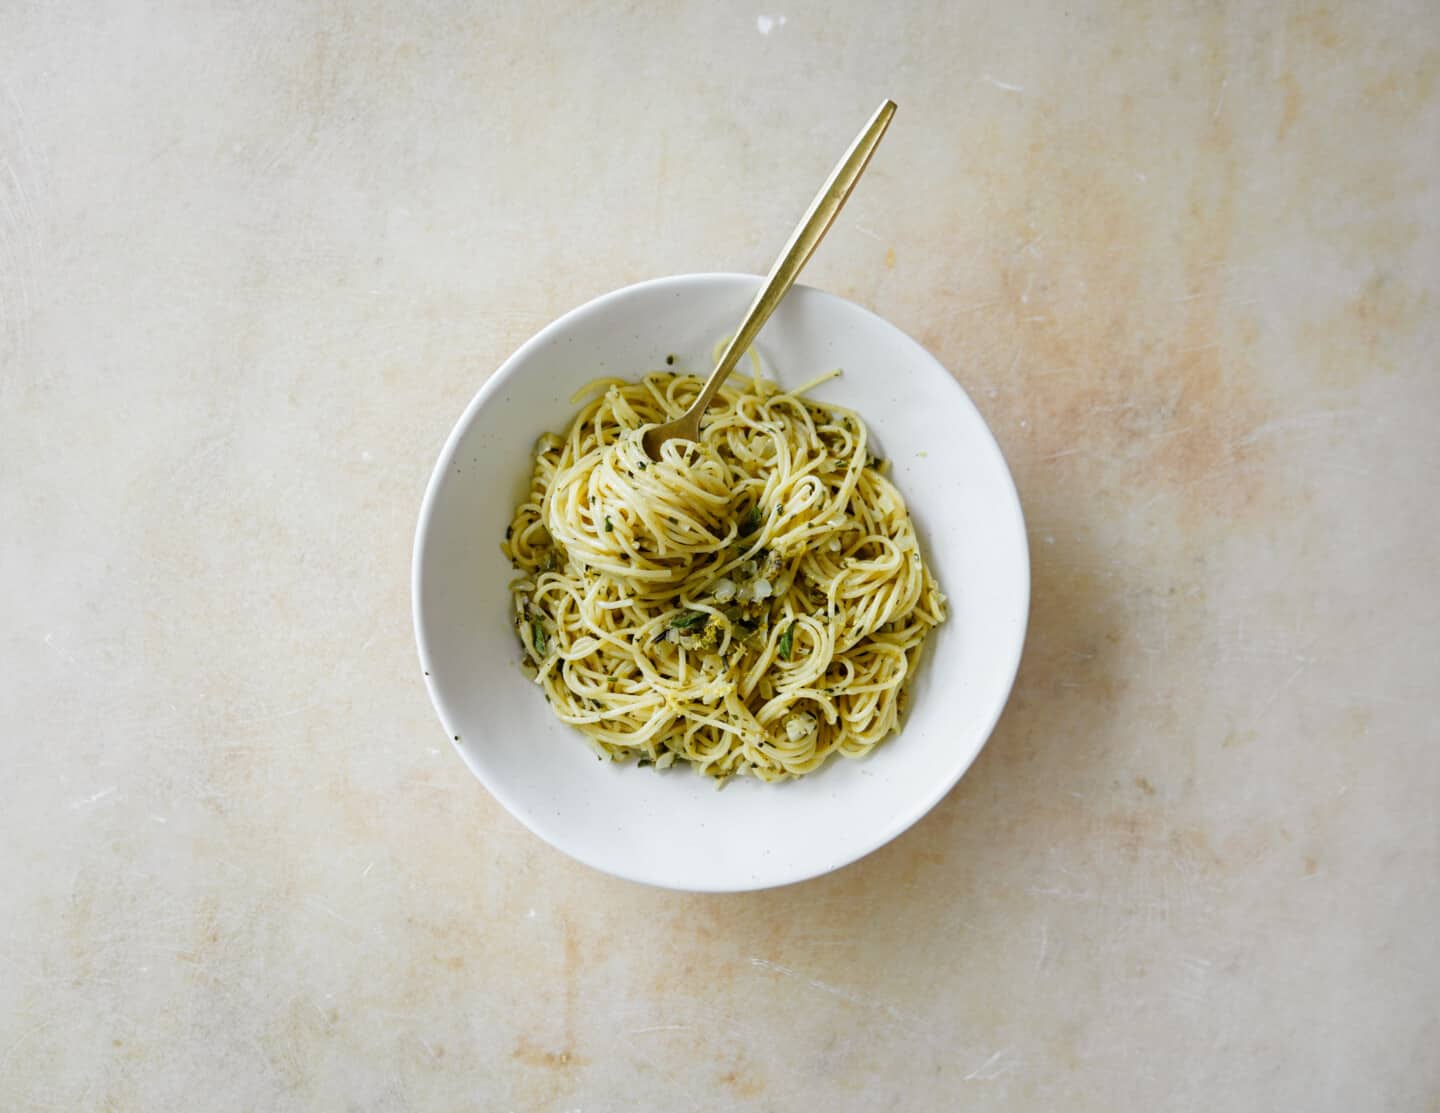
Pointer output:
x,y
660,637
609,526
670,361
689,620
752,521
787,641
643,465
537,637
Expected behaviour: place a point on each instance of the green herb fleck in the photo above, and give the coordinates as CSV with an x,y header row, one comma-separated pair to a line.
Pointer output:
x,y
787,641
643,465
609,526
537,637
752,521
689,620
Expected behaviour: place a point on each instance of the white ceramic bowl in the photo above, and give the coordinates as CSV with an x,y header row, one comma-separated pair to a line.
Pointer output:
x,y
675,829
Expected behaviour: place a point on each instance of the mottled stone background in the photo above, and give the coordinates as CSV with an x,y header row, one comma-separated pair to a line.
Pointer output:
x,y
254,259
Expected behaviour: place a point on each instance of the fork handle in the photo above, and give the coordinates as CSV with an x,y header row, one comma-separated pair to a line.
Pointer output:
x,y
798,249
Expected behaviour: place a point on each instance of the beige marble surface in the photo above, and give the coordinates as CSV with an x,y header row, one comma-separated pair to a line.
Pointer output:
x,y
254,258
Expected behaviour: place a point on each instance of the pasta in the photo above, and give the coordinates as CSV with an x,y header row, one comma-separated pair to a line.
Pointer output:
x,y
751,604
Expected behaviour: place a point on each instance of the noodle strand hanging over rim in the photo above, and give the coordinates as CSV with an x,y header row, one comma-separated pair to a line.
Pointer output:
x,y
752,603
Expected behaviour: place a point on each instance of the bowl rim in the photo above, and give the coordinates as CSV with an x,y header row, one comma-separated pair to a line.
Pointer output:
x,y
1012,653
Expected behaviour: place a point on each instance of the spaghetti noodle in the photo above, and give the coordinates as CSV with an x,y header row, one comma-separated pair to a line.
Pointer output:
x,y
751,604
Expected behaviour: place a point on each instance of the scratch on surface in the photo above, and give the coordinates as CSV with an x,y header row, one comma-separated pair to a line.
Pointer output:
x,y
1281,689
825,987
1220,98
24,1036
1075,896
1009,88
1231,467
1316,419
199,463
86,801
438,786
278,715
325,908
1194,987
63,653
992,1067
662,1028
1175,432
